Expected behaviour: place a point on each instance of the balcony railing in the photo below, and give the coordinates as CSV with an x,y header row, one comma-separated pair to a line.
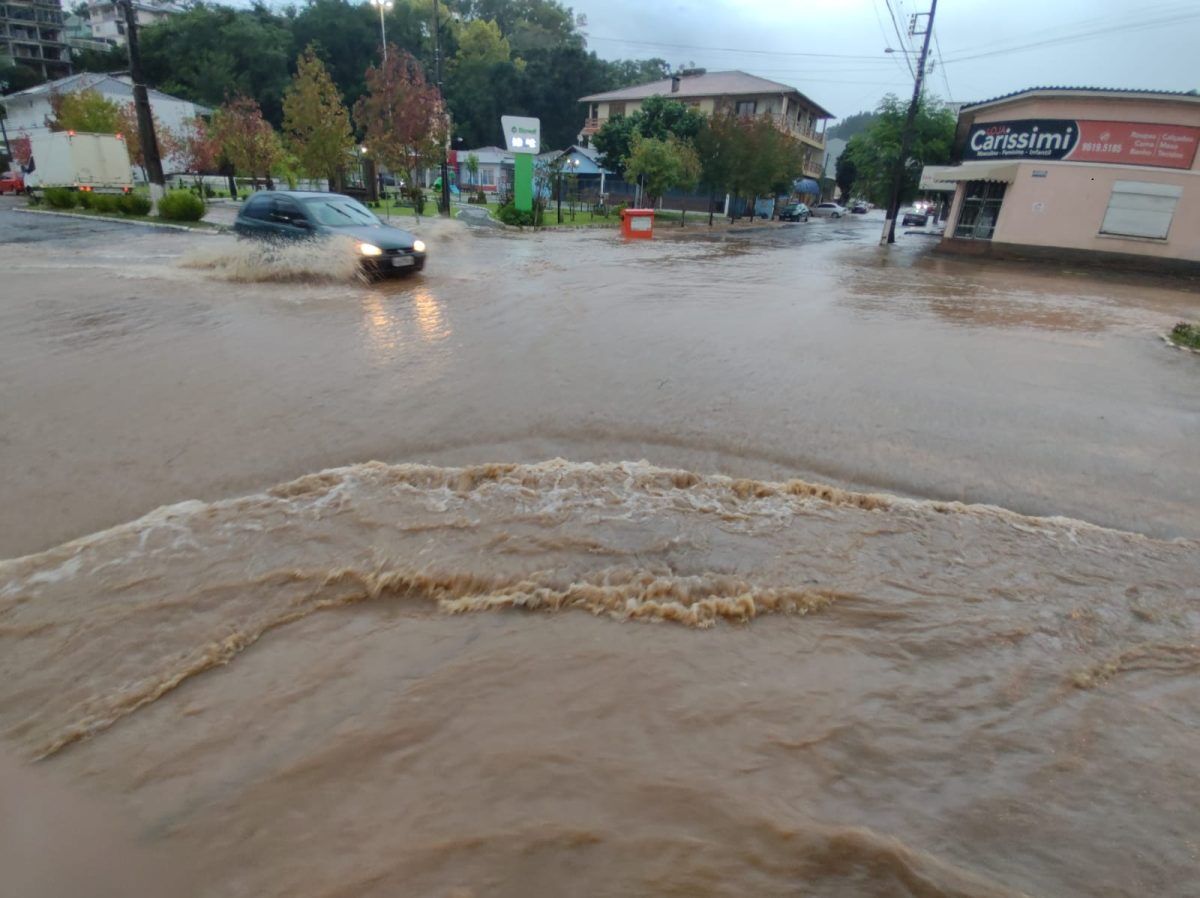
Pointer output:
x,y
592,125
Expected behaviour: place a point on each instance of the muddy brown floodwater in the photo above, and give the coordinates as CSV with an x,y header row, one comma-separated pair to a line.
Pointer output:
x,y
779,657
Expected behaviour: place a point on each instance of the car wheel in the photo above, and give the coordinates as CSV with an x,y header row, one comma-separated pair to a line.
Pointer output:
x,y
837,214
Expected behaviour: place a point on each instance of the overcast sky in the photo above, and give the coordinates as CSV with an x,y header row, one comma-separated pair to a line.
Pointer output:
x,y
1151,44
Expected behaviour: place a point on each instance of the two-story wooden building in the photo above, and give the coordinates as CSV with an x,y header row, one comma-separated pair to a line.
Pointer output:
x,y
713,92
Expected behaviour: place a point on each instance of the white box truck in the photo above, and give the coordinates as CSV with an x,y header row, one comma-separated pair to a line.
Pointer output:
x,y
94,162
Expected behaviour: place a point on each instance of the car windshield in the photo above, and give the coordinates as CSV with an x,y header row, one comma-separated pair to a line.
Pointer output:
x,y
339,211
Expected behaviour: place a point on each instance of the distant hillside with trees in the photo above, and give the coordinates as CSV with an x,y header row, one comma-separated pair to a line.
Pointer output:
x,y
523,57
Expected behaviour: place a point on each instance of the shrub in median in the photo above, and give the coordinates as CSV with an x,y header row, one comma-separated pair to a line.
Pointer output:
x,y
104,203
60,197
511,215
181,205
1184,334
135,204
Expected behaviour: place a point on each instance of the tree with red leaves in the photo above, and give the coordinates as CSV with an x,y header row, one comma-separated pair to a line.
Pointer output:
x,y
402,116
169,143
198,149
21,149
246,140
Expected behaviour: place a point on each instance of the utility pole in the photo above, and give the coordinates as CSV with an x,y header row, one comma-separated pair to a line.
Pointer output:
x,y
8,154
437,58
906,136
141,102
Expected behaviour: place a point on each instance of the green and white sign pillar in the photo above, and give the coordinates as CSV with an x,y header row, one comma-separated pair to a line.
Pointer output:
x,y
523,138
523,181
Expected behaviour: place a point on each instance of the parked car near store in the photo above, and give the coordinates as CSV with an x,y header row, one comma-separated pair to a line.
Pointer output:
x,y
12,182
828,210
279,215
915,217
860,209
795,212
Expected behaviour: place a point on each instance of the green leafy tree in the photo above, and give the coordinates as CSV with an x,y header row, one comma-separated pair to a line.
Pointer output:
x,y
846,173
168,142
84,110
719,150
210,52
316,125
18,77
658,117
246,140
874,153
472,164
402,116
852,125
662,164
482,79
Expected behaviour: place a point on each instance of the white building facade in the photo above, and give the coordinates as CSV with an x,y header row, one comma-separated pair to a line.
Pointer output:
x,y
29,111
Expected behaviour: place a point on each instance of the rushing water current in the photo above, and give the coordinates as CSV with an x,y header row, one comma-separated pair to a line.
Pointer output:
x,y
290,671
932,699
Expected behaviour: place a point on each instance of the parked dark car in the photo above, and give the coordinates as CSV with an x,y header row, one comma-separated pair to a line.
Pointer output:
x,y
278,215
914,217
794,212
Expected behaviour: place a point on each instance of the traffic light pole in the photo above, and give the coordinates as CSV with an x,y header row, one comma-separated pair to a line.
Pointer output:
x,y
906,137
141,102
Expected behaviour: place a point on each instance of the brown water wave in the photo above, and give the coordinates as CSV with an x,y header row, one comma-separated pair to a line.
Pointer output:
x,y
290,675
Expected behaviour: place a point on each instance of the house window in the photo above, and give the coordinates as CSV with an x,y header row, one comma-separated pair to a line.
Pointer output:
x,y
615,109
746,107
980,209
487,176
1141,209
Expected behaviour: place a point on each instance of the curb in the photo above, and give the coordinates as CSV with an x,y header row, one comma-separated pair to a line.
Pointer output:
x,y
1175,345
218,229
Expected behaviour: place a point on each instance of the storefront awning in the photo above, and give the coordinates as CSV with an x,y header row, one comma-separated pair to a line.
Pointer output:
x,y
945,177
807,185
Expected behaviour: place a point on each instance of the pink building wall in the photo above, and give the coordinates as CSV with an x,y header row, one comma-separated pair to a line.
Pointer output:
x,y
1066,207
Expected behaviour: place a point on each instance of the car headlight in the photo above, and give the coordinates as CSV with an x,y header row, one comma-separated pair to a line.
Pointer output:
x,y
369,249
418,246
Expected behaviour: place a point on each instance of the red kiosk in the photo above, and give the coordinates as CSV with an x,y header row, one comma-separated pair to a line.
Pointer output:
x,y
637,223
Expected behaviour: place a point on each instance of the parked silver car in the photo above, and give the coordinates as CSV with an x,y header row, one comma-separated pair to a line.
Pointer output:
x,y
828,210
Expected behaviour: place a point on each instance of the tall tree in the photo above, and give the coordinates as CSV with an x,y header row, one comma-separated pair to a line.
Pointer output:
x,y
481,82
316,125
717,148
874,152
84,110
199,150
210,52
247,140
402,115
662,164
168,141
658,117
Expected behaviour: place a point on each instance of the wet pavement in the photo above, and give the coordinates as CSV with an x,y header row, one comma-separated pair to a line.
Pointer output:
x,y
472,677
798,350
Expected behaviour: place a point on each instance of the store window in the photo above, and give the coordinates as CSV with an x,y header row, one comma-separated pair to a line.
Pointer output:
x,y
980,209
1141,209
746,107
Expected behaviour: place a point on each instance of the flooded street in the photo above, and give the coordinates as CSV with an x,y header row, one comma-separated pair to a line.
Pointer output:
x,y
768,564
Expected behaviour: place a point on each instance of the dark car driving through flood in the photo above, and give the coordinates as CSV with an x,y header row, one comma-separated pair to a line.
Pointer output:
x,y
278,215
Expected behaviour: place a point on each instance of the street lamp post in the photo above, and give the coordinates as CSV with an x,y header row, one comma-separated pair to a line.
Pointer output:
x,y
383,5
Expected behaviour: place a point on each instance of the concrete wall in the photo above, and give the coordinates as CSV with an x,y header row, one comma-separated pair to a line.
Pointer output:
x,y
1066,207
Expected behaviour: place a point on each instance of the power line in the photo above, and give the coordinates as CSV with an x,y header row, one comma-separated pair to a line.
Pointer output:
x,y
1081,36
883,32
621,40
1095,22
904,48
942,65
